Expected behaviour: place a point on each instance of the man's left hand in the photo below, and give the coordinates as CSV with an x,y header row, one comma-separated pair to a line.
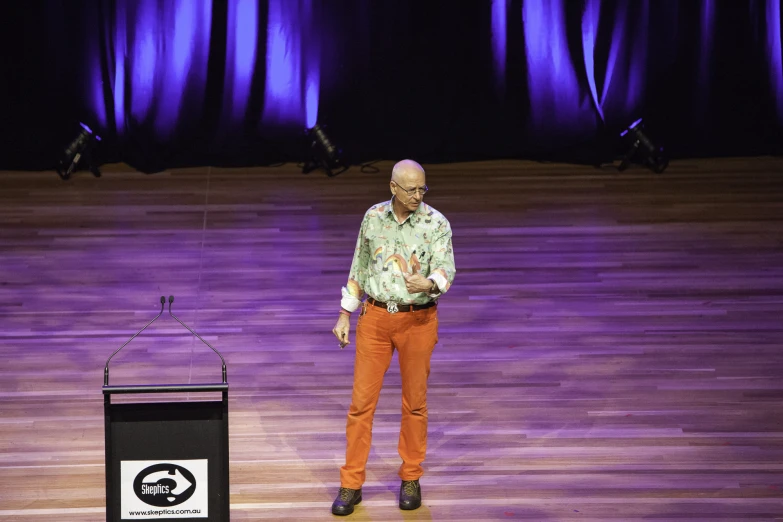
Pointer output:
x,y
417,283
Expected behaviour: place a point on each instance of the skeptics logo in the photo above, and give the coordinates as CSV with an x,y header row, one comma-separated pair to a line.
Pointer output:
x,y
164,484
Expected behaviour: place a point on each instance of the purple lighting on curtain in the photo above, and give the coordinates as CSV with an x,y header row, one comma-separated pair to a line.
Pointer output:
x,y
590,22
638,56
499,15
707,37
774,54
186,37
553,86
621,21
311,100
707,22
120,51
168,36
589,36
97,102
159,48
146,45
187,61
242,47
617,93
292,65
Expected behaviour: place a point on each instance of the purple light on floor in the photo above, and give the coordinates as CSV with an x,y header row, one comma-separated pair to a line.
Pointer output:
x,y
241,50
553,87
774,54
292,65
499,17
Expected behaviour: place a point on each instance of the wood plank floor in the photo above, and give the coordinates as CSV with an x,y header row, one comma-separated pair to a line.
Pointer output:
x,y
612,348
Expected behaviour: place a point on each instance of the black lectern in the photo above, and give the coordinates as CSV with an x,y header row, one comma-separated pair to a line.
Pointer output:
x,y
166,460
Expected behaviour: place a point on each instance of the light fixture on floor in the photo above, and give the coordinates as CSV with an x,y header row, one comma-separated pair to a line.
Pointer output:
x,y
324,153
642,147
80,150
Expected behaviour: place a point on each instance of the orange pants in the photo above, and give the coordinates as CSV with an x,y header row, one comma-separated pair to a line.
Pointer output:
x,y
414,335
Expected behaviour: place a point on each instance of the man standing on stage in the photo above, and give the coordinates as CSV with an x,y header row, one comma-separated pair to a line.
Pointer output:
x,y
403,262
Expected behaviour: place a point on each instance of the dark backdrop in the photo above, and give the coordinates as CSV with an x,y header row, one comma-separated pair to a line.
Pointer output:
x,y
171,83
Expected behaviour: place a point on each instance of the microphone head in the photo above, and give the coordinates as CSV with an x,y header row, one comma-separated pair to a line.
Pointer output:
x,y
171,299
162,299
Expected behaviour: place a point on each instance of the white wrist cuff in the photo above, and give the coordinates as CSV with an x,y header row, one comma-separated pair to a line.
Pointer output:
x,y
349,302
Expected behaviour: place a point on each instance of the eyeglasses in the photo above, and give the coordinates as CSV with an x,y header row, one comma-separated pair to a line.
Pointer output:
x,y
421,190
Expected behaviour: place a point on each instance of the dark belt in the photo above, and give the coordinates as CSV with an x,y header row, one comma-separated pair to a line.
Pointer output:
x,y
396,307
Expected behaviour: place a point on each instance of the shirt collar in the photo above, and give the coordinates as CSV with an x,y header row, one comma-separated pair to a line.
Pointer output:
x,y
412,218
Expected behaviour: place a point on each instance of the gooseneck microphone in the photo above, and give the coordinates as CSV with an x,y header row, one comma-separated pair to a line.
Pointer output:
x,y
106,368
171,300
162,305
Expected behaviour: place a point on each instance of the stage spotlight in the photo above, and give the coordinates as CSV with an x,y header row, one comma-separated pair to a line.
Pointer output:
x,y
324,153
80,150
650,155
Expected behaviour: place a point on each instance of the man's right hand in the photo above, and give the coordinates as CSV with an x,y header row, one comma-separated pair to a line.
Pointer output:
x,y
342,329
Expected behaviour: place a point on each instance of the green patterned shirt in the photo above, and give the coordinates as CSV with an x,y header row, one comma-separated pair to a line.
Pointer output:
x,y
386,249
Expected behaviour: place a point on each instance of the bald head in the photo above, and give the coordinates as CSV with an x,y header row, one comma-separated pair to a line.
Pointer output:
x,y
405,169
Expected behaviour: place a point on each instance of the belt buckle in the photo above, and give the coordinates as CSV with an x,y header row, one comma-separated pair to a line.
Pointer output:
x,y
391,307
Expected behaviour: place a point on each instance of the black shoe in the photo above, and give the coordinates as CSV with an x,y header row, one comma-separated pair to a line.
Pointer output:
x,y
345,501
410,494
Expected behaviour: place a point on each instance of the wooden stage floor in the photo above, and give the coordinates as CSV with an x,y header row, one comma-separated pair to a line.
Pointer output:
x,y
611,350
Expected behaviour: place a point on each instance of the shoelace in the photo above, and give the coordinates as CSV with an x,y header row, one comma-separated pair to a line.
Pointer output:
x,y
409,487
346,494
